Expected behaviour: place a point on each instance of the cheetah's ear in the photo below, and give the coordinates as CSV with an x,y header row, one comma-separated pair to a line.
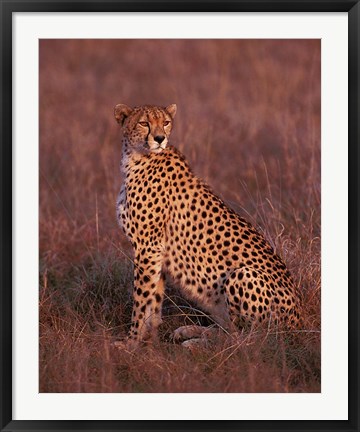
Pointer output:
x,y
171,109
122,111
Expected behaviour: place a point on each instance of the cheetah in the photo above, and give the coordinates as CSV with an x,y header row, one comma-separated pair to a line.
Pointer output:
x,y
178,226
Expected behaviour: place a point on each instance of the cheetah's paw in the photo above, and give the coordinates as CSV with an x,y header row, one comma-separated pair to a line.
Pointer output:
x,y
188,332
126,345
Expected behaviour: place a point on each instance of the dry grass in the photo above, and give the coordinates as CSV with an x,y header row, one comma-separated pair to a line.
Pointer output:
x,y
249,122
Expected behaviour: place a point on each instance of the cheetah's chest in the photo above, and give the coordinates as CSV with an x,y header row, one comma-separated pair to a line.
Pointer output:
x,y
121,212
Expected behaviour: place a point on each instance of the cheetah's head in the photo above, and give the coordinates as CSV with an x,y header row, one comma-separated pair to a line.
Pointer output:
x,y
147,128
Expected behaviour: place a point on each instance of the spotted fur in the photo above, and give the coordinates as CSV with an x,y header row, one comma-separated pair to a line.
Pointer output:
x,y
178,226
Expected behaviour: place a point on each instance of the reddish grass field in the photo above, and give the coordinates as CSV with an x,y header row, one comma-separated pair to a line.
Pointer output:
x,y
249,122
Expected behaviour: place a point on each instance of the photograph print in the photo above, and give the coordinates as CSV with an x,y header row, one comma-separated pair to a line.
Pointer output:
x,y
179,216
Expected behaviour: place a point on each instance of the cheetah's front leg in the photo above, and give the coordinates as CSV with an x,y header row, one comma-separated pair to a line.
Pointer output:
x,y
149,288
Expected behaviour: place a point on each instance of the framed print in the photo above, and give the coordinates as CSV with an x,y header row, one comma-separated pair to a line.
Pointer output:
x,y
179,227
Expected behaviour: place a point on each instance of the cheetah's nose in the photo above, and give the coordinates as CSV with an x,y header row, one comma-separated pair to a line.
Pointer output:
x,y
159,138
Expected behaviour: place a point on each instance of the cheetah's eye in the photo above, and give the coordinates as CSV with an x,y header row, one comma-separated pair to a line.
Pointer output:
x,y
166,122
144,124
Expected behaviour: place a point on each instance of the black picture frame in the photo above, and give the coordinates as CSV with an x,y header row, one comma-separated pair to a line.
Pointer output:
x,y
7,8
